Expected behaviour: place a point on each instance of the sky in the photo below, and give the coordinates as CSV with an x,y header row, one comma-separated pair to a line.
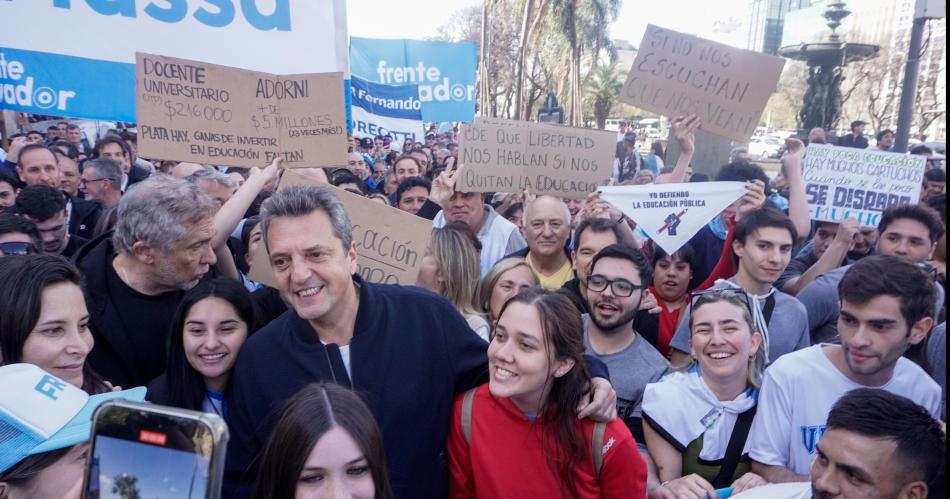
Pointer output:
x,y
420,18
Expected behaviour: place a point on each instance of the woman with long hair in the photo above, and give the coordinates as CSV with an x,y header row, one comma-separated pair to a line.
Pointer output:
x,y
325,441
45,321
506,278
208,330
518,435
449,268
715,402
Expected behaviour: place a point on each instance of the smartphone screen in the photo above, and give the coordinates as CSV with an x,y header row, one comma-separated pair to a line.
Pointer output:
x,y
145,454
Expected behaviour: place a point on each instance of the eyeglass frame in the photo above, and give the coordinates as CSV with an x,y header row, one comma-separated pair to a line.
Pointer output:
x,y
83,181
610,283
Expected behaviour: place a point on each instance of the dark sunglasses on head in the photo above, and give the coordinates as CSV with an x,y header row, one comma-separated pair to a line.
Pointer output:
x,y
17,248
738,292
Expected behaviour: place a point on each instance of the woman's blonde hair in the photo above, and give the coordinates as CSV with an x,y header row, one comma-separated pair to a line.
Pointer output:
x,y
457,259
491,278
738,299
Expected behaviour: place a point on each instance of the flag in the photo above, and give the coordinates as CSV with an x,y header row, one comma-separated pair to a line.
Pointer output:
x,y
671,214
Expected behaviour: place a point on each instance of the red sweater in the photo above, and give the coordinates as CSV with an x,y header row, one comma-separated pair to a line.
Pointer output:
x,y
506,457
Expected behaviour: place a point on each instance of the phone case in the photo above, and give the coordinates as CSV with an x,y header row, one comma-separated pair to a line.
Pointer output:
x,y
216,425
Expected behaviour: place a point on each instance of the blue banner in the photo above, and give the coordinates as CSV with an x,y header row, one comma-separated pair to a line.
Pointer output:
x,y
385,110
53,71
444,72
59,85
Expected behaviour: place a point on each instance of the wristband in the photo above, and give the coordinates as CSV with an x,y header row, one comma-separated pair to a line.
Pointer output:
x,y
623,217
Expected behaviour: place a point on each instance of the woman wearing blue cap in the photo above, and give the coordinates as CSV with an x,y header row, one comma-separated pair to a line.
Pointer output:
x,y
44,426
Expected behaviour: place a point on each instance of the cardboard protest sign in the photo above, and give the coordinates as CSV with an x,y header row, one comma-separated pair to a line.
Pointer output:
x,y
509,156
671,214
390,243
846,183
205,113
678,74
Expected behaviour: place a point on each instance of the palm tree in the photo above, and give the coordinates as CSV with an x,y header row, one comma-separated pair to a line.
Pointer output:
x,y
126,486
584,25
603,87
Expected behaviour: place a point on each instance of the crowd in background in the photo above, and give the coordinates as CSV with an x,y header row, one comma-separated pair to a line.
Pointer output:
x,y
548,349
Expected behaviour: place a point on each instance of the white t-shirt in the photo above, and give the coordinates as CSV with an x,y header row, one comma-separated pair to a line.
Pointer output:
x,y
798,391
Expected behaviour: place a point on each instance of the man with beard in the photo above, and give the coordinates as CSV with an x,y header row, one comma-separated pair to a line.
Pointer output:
x,y
618,276
886,307
137,276
877,444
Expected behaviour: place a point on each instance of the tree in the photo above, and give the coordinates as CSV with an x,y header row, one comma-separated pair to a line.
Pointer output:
x,y
603,87
126,486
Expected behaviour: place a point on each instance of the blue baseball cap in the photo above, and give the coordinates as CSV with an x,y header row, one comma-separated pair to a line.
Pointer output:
x,y
40,412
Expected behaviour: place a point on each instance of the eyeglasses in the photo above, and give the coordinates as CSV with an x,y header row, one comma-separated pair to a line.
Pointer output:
x,y
17,248
83,181
619,287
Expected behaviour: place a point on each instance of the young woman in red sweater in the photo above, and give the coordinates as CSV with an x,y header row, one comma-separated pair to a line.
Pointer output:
x,y
521,436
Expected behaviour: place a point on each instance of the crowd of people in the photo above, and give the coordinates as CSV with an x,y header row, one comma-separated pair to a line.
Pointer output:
x,y
548,349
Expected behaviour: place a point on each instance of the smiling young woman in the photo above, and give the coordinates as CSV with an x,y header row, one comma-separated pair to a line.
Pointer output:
x,y
208,330
700,443
537,376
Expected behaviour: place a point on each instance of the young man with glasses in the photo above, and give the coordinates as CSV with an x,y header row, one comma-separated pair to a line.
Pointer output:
x,y
762,244
618,276
886,307
18,236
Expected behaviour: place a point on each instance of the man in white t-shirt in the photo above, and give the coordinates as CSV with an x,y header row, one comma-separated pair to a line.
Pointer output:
x,y
877,444
886,307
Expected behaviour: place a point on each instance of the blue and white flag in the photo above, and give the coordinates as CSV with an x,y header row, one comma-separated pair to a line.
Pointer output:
x,y
671,214
81,63
443,71
386,110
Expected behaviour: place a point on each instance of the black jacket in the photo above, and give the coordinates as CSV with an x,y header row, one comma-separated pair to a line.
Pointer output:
x,y
83,218
136,175
850,140
411,353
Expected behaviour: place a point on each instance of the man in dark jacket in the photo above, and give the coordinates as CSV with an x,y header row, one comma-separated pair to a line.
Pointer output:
x,y
136,277
856,138
406,351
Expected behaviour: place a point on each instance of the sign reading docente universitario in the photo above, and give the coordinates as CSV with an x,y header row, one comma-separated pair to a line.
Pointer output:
x,y
671,214
678,74
845,183
510,156
205,113
83,62
390,243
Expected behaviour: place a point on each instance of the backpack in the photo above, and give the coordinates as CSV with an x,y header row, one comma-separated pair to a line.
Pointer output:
x,y
597,442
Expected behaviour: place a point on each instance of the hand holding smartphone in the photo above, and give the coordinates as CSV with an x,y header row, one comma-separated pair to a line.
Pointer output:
x,y
146,450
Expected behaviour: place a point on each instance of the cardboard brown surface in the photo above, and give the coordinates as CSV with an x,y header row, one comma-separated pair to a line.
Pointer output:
x,y
509,156
206,113
678,74
390,243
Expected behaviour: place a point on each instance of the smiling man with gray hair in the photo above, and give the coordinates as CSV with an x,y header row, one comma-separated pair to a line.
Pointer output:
x,y
136,276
